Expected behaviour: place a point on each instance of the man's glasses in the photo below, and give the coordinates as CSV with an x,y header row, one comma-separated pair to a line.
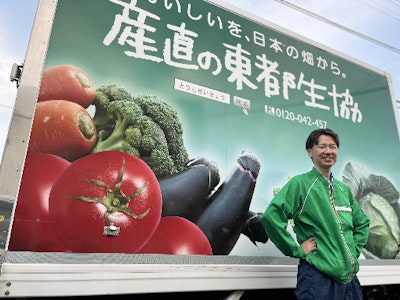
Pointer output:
x,y
324,147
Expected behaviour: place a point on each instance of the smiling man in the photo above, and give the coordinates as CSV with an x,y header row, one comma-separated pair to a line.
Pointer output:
x,y
330,227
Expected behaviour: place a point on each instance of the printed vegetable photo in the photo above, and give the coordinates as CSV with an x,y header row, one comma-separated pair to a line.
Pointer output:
x,y
121,179
166,129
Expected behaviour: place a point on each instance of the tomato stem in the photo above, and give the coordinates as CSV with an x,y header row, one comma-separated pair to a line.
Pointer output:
x,y
115,200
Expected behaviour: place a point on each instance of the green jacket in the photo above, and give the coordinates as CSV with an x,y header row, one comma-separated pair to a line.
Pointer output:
x,y
305,199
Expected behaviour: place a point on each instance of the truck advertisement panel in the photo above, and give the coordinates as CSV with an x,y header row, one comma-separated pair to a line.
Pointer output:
x,y
166,127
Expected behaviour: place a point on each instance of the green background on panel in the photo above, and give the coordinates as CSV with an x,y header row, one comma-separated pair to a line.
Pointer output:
x,y
267,60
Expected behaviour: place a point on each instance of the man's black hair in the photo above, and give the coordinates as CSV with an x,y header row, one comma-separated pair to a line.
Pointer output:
x,y
314,137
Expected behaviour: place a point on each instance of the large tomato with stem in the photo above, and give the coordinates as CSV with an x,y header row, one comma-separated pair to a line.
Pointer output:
x,y
31,230
106,202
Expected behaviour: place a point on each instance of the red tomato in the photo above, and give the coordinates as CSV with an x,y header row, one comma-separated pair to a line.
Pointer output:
x,y
177,235
31,230
106,202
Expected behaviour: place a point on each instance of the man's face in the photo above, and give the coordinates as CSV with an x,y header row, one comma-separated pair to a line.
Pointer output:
x,y
324,154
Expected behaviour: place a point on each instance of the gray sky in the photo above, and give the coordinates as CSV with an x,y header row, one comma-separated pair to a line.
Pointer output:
x,y
377,19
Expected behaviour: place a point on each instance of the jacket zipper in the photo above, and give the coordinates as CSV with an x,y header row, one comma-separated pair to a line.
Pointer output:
x,y
350,276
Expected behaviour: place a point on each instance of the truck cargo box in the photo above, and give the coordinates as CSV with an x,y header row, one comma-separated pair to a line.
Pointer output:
x,y
148,137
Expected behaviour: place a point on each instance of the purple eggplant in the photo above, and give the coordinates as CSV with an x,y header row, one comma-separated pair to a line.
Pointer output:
x,y
254,229
185,194
225,217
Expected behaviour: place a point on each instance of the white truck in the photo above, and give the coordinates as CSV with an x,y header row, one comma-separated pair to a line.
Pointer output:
x,y
148,137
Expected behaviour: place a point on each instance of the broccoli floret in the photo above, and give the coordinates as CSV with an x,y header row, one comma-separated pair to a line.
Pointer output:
x,y
150,139
111,136
131,125
104,95
167,118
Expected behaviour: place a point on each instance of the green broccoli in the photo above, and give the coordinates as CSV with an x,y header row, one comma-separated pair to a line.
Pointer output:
x,y
104,95
167,118
144,126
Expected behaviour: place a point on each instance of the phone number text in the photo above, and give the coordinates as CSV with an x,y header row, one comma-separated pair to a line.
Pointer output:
x,y
294,117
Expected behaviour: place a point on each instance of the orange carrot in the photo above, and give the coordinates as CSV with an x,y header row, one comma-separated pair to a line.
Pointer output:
x,y
67,82
63,128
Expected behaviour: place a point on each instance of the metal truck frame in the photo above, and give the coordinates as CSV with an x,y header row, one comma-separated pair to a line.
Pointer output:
x,y
43,274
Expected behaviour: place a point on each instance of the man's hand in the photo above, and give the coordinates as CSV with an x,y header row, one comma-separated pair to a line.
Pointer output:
x,y
309,245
